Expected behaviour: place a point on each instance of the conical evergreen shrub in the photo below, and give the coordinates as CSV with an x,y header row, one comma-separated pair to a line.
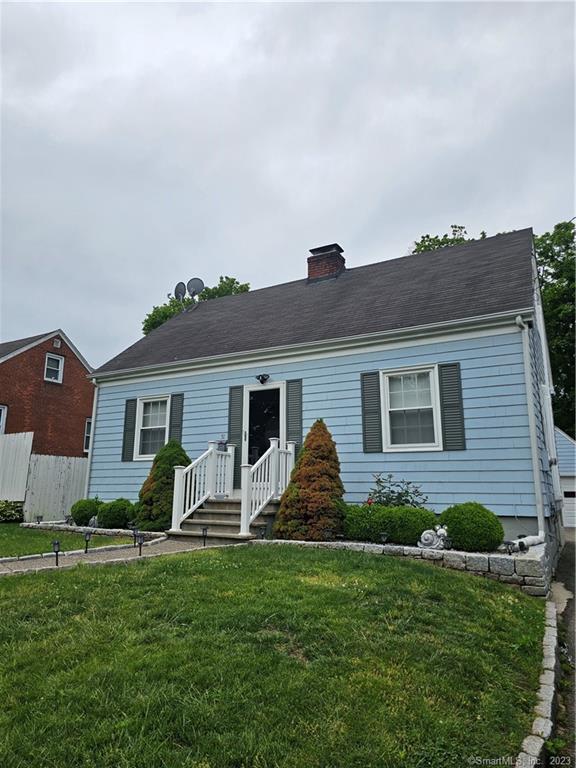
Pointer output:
x,y
154,511
311,507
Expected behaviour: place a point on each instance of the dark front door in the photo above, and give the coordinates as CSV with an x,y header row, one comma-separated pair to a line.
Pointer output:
x,y
263,421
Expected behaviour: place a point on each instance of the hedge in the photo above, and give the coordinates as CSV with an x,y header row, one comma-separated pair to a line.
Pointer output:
x,y
402,525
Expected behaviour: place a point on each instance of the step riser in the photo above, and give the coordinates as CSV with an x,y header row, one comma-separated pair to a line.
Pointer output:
x,y
216,529
224,516
234,504
210,540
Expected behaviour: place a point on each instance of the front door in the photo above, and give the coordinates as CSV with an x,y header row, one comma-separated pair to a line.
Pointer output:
x,y
263,419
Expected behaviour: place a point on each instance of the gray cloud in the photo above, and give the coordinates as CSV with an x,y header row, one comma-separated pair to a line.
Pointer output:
x,y
144,143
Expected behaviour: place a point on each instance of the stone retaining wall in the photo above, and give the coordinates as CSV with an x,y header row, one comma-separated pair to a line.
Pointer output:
x,y
531,571
56,526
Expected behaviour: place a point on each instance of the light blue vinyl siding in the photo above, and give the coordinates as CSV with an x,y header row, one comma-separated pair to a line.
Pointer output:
x,y
495,469
566,449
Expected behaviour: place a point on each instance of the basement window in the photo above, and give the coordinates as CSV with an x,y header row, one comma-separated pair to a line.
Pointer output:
x,y
54,368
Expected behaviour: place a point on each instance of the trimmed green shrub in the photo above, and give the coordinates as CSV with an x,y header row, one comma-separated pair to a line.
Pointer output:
x,y
11,512
115,514
311,505
403,525
472,527
154,512
84,510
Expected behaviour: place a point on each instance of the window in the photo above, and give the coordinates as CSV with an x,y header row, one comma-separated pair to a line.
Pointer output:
x,y
54,368
3,417
87,433
411,413
570,494
151,427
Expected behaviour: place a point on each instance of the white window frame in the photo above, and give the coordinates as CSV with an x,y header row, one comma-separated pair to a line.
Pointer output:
x,y
86,435
139,412
387,444
60,378
3,418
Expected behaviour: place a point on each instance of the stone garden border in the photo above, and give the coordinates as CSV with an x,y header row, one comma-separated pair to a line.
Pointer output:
x,y
531,571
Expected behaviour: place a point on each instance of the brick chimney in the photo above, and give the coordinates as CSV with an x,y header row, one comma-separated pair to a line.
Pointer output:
x,y
325,262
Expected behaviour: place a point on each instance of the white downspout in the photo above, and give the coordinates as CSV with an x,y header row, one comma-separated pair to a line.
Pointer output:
x,y
531,541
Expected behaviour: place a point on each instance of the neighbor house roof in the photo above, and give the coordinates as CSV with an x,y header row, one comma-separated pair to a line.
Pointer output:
x,y
9,349
479,278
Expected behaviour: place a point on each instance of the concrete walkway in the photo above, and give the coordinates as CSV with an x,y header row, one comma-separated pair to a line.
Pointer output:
x,y
118,555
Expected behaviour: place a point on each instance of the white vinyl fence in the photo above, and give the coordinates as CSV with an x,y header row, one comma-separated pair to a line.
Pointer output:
x,y
48,485
15,453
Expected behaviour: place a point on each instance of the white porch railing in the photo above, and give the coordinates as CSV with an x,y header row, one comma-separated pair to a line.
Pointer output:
x,y
264,481
208,476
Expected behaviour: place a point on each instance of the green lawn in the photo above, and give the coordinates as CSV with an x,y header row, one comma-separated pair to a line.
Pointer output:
x,y
261,657
15,541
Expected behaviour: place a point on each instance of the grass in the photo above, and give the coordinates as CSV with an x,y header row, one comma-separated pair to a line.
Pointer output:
x,y
16,541
264,657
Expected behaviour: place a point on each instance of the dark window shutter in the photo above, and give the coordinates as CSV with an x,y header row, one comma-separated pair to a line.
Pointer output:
x,y
235,407
294,412
129,430
451,407
176,412
371,412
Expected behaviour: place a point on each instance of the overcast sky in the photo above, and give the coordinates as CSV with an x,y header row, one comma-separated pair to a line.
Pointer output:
x,y
144,144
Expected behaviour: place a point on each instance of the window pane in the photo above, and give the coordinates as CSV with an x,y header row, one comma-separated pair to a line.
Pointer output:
x,y
412,427
154,413
151,440
410,390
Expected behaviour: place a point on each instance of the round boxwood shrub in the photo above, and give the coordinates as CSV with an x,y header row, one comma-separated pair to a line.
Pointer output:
x,y
402,525
115,514
472,527
84,510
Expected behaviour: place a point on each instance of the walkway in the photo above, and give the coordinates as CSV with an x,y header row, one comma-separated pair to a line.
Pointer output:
x,y
116,556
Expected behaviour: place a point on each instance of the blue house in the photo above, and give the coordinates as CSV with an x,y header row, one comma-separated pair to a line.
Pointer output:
x,y
432,367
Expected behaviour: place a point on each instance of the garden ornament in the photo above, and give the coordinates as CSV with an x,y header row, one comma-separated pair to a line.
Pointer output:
x,y
435,539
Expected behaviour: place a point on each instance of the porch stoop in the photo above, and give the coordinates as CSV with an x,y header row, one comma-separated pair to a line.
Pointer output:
x,y
222,518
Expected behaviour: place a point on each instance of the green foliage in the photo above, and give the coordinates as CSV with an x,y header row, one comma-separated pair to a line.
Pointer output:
x,y
115,514
84,510
311,505
472,527
402,525
556,253
11,512
457,236
396,493
227,286
154,512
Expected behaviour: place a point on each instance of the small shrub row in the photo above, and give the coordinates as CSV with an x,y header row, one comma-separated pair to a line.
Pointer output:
x,y
11,512
471,526
112,514
402,525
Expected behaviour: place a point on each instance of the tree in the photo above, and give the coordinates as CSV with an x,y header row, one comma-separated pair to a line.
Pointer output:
x,y
311,505
154,510
555,255
227,286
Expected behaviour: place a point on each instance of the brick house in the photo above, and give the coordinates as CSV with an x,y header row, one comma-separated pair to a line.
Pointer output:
x,y
44,389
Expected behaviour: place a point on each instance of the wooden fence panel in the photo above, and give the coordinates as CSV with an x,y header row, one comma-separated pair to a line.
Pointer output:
x,y
15,452
54,484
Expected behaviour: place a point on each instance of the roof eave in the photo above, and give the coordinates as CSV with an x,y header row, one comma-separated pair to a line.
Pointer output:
x,y
352,342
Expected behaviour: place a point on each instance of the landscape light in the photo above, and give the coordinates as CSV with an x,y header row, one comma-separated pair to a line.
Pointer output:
x,y
39,519
87,537
140,540
56,549
204,534
135,535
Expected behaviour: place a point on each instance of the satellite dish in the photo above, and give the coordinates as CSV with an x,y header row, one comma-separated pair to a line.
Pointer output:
x,y
195,286
180,291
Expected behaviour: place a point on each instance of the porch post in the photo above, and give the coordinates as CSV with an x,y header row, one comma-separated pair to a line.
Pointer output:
x,y
178,498
291,447
230,470
211,469
274,442
246,499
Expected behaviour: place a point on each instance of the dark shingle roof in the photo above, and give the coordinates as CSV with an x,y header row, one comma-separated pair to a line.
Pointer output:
x,y
7,347
479,278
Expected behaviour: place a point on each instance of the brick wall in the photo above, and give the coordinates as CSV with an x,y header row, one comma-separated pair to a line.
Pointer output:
x,y
56,413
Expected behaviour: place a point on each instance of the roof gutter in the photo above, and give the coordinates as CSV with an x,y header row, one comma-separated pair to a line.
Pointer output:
x,y
346,342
